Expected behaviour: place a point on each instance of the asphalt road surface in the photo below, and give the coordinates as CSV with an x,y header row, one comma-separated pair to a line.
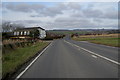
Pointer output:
x,y
63,60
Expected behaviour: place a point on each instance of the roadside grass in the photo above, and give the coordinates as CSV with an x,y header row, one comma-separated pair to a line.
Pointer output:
x,y
13,59
110,40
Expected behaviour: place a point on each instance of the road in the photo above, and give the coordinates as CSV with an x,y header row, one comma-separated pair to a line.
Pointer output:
x,y
63,60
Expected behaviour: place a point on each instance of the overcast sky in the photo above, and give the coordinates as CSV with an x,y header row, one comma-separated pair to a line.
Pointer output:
x,y
62,15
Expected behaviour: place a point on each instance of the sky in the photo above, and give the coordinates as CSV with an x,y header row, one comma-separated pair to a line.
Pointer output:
x,y
60,0
62,15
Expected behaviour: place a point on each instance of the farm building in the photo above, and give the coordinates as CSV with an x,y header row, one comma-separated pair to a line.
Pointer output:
x,y
32,32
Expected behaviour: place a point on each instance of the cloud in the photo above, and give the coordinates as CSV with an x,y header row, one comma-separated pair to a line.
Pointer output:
x,y
111,15
52,11
92,13
35,16
74,6
65,15
85,23
40,9
27,21
23,7
60,1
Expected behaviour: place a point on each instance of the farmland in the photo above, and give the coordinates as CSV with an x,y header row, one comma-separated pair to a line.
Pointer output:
x,y
106,39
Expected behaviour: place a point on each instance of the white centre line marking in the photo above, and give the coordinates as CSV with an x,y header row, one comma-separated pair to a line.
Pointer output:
x,y
32,62
108,59
94,56
78,48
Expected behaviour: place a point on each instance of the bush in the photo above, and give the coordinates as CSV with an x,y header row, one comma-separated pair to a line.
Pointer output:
x,y
6,48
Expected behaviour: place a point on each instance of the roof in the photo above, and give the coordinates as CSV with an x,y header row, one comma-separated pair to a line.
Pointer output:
x,y
30,28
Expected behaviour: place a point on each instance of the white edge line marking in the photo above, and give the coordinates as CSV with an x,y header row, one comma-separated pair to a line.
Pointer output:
x,y
94,53
32,62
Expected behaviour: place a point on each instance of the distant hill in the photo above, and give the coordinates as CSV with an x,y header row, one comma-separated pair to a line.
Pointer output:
x,y
83,31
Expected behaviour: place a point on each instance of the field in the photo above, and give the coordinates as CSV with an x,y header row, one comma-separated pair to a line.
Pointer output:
x,y
14,59
67,32
106,39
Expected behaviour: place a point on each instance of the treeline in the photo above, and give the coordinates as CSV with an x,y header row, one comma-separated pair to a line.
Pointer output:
x,y
51,36
97,32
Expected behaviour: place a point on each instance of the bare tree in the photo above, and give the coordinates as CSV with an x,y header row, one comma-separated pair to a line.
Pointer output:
x,y
9,26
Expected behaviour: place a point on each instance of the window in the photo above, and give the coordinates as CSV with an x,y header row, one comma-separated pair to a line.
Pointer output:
x,y
28,32
25,32
17,33
21,33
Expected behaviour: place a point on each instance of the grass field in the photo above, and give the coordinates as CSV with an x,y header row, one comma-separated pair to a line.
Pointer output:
x,y
12,60
110,40
67,32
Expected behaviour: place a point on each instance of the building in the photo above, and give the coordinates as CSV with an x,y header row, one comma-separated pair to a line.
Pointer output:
x,y
32,32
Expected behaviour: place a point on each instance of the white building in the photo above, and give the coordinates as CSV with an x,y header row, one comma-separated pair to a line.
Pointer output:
x,y
34,32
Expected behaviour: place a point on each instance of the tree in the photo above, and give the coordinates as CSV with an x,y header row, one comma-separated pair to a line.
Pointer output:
x,y
9,26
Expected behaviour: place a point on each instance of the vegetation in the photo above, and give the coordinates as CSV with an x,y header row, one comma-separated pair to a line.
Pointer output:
x,y
64,32
52,35
9,26
14,59
111,39
86,31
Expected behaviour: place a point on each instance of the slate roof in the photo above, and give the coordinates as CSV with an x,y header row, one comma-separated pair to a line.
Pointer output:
x,y
30,28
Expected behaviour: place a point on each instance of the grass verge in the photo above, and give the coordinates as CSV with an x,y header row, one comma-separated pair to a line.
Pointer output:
x,y
105,40
14,59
